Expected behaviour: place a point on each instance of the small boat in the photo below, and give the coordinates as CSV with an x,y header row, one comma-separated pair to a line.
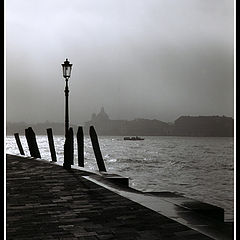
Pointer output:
x,y
133,138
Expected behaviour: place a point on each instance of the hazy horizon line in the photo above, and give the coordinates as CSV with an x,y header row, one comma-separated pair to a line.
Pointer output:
x,y
48,121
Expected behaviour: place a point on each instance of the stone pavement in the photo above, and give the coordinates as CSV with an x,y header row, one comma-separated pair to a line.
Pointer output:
x,y
45,201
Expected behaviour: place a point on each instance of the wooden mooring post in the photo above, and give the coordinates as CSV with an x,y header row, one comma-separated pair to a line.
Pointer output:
x,y
51,145
71,145
68,150
96,149
32,143
16,135
80,144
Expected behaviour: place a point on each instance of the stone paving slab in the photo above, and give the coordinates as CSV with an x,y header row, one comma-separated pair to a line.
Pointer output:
x,y
45,201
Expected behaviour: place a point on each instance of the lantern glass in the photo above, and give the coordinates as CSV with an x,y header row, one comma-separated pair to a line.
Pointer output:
x,y
67,67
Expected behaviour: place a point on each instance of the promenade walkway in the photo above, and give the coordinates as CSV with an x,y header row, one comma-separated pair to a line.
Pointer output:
x,y
45,201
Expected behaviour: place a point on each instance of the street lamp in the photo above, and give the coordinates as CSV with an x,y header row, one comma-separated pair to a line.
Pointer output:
x,y
67,67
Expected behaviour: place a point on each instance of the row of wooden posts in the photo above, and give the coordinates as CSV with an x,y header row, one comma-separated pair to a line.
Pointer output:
x,y
68,147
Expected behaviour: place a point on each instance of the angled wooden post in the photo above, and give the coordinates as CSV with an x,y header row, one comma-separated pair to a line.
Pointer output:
x,y
32,143
16,135
96,149
51,145
80,143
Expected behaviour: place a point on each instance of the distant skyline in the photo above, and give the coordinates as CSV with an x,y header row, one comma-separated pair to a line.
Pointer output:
x,y
137,59
62,121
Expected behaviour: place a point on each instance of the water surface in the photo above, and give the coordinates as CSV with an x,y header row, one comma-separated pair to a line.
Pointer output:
x,y
200,168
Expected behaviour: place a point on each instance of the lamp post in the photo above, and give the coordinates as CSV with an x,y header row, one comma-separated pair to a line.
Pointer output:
x,y
67,67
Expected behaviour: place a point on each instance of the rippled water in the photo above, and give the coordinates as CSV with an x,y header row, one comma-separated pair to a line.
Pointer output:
x,y
200,168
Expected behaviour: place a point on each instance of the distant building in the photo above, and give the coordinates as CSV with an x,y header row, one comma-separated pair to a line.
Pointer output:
x,y
144,127
104,125
194,126
204,126
101,117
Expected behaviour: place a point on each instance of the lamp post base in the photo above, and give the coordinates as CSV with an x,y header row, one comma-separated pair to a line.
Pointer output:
x,y
67,166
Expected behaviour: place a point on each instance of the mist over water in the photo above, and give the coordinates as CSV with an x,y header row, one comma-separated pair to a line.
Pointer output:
x,y
199,168
139,59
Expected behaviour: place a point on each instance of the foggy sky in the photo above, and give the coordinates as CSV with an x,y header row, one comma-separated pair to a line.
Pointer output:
x,y
138,59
